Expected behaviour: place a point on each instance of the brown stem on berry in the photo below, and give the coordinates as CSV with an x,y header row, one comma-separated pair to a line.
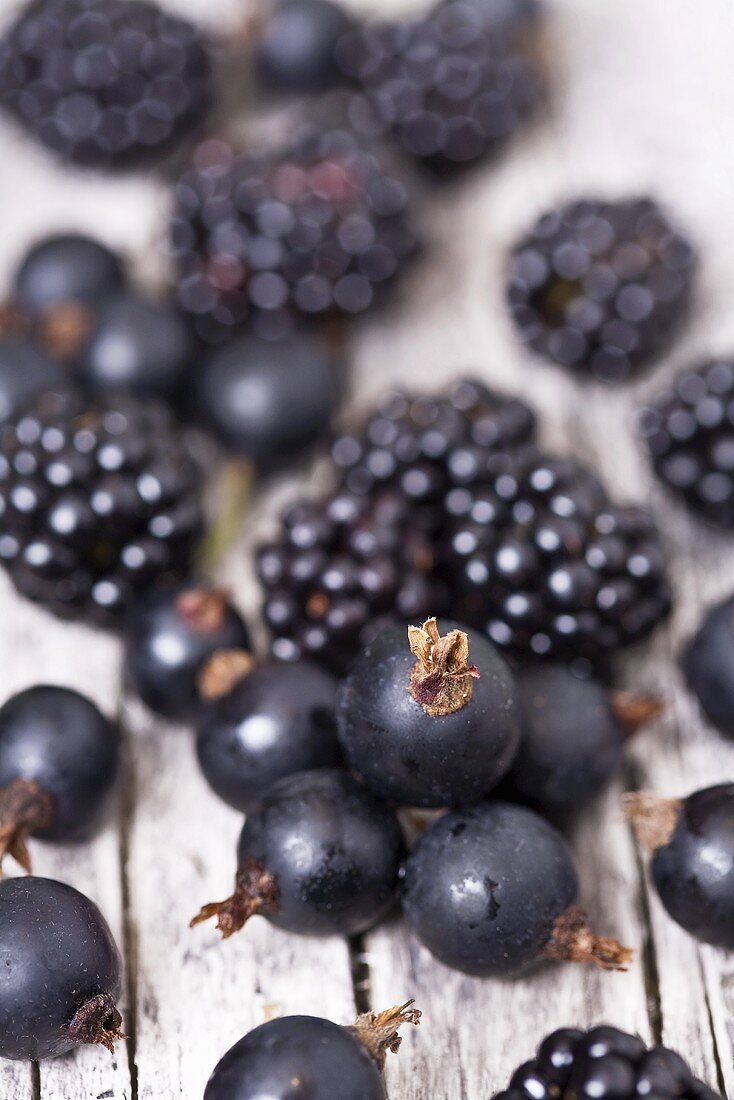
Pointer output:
x,y
97,1021
64,328
377,1032
203,609
653,818
12,321
25,808
573,941
634,711
222,672
256,891
442,680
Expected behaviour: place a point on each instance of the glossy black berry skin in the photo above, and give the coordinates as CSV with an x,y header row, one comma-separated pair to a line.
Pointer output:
x,y
25,372
408,756
473,85
317,229
709,666
295,50
604,1063
694,871
325,1060
268,400
484,886
58,953
169,636
600,287
105,84
688,430
333,849
137,345
98,501
59,739
277,720
64,268
571,743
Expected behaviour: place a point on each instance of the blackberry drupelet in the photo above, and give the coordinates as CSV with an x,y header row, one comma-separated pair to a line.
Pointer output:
x,y
449,86
688,430
547,564
107,84
96,502
369,549
313,230
600,287
605,1064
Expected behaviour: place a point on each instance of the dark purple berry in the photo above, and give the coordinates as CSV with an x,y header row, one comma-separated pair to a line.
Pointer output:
x,y
709,666
295,48
25,372
66,269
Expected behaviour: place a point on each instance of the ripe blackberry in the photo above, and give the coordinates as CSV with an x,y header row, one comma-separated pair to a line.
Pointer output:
x,y
107,84
604,1064
600,287
547,564
369,549
96,502
315,229
688,430
449,86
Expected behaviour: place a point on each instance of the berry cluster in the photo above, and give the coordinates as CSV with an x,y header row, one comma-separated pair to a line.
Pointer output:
x,y
107,84
446,502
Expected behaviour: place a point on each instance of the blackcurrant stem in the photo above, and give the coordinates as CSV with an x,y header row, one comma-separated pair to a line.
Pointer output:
x,y
634,711
653,818
378,1031
203,609
222,672
25,808
572,940
63,329
98,1022
232,499
442,680
256,891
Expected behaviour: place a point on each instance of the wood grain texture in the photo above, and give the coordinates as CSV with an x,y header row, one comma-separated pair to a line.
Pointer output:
x,y
642,100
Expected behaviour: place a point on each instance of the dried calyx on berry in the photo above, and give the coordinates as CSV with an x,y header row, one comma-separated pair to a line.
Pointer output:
x,y
340,1063
444,502
687,838
349,879
603,1062
454,737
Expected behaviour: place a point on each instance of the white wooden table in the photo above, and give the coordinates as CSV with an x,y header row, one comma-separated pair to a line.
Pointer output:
x,y
643,99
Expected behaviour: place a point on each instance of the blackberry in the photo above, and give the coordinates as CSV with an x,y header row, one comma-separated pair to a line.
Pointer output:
x,y
688,430
96,502
449,86
313,230
547,564
600,287
370,548
605,1064
107,84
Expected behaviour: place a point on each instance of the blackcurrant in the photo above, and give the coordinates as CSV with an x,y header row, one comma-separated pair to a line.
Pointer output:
x,y
709,666
692,865
139,345
603,1064
267,399
490,890
572,735
265,721
25,371
170,637
320,856
61,971
311,1057
58,762
63,269
420,724
295,48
